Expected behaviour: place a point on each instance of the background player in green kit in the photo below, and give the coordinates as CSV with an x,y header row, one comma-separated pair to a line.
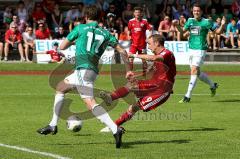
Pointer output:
x,y
198,28
91,41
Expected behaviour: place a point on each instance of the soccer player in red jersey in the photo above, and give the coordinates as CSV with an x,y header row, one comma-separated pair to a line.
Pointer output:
x,y
56,56
137,28
152,92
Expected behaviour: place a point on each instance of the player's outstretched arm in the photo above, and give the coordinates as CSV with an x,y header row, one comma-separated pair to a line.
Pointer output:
x,y
65,44
124,54
147,57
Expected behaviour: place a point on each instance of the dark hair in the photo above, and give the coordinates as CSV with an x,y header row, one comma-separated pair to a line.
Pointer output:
x,y
91,12
55,43
138,8
197,5
158,38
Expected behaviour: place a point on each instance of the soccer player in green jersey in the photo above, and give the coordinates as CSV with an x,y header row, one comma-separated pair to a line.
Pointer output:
x,y
198,28
91,41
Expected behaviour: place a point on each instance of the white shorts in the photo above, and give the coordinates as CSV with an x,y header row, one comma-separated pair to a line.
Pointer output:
x,y
83,80
196,57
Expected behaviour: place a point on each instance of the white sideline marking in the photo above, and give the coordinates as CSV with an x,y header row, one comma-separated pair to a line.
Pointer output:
x,y
33,151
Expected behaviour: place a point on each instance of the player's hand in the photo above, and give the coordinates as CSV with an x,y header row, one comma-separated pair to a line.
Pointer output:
x,y
129,75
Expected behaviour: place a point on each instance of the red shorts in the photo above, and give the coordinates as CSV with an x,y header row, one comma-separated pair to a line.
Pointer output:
x,y
151,87
150,102
151,94
135,48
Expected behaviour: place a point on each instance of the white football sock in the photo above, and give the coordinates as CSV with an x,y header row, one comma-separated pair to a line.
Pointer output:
x,y
191,85
58,102
204,77
103,116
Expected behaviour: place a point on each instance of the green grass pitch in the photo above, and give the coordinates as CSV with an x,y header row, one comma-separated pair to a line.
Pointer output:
x,y
207,127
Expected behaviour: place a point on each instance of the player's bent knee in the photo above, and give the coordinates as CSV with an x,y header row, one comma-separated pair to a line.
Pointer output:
x,y
63,87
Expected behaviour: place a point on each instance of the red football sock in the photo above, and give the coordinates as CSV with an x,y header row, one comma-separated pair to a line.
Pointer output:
x,y
123,118
119,93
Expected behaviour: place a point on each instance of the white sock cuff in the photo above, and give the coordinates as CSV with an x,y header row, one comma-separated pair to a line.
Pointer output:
x,y
60,94
194,76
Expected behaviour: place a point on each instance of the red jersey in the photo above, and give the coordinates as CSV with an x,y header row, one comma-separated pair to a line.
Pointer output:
x,y
163,77
56,56
137,30
38,15
45,34
166,69
11,36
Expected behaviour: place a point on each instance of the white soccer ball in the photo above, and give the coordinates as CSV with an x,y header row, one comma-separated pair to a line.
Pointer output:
x,y
74,123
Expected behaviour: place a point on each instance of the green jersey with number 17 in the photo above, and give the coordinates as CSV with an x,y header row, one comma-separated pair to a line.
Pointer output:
x,y
91,42
198,32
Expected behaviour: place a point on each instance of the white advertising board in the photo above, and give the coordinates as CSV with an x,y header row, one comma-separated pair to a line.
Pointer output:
x,y
179,48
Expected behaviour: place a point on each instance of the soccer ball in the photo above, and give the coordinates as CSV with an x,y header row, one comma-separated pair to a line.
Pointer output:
x,y
74,123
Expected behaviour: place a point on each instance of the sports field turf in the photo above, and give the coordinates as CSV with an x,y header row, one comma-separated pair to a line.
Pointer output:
x,y
207,127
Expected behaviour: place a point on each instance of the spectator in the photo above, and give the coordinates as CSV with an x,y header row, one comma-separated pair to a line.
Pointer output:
x,y
102,5
29,5
75,22
227,15
125,34
127,14
48,7
187,9
146,13
119,25
57,18
7,16
180,37
56,55
81,9
236,8
112,9
28,38
43,32
213,39
111,24
22,12
13,39
38,14
177,10
217,5
72,14
119,5
213,14
167,10
232,34
21,26
89,2
166,29
61,34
